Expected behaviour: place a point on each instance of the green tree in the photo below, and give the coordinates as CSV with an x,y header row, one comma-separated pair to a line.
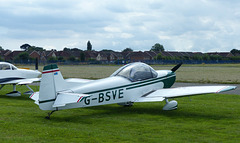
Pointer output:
x,y
34,48
197,57
66,49
127,50
72,58
157,48
1,48
215,57
206,57
23,56
235,52
82,56
159,57
89,46
52,59
61,59
25,47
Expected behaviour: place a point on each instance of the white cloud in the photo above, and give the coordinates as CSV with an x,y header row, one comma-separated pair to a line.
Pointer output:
x,y
178,25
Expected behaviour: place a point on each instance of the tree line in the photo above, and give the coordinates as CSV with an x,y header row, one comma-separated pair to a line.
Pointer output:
x,y
158,48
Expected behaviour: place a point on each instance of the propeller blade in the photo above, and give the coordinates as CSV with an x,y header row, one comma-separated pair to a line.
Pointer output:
x,y
36,64
176,67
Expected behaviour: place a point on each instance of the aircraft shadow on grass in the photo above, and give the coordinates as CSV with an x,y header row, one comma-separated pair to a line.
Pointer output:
x,y
23,97
114,111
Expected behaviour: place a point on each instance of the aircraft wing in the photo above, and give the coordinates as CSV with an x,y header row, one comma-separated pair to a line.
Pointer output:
x,y
21,81
161,94
28,81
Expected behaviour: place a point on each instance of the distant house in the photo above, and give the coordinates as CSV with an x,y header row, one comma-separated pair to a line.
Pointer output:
x,y
138,56
51,53
35,54
4,53
152,54
115,56
222,54
90,55
102,56
65,54
10,56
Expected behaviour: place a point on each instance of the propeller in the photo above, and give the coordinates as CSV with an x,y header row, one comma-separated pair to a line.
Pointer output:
x,y
176,67
36,64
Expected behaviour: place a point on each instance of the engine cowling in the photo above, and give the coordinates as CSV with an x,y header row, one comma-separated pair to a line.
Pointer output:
x,y
170,105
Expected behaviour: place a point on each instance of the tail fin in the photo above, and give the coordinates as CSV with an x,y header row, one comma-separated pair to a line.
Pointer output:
x,y
51,82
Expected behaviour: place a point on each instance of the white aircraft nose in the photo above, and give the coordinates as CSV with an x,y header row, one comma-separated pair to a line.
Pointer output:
x,y
38,73
35,74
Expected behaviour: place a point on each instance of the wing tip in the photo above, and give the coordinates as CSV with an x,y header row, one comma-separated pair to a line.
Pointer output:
x,y
226,88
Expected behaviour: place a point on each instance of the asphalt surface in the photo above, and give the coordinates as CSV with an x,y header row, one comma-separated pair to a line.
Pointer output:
x,y
236,91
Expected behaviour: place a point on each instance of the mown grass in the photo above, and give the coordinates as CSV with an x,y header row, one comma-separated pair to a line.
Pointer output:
x,y
205,118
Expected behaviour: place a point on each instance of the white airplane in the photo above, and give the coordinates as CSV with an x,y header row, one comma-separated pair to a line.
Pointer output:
x,y
10,74
134,82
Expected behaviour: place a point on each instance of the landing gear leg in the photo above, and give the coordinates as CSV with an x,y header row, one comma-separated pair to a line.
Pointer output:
x,y
2,86
14,87
14,93
49,114
29,92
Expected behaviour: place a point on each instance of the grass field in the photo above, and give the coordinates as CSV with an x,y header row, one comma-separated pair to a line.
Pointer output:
x,y
204,73
204,118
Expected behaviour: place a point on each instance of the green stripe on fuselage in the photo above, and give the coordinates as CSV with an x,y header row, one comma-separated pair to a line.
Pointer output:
x,y
143,83
168,81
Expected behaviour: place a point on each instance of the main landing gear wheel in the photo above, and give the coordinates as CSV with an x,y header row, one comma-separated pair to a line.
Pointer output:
x,y
49,114
170,105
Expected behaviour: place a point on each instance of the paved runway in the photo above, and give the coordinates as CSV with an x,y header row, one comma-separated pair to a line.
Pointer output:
x,y
236,91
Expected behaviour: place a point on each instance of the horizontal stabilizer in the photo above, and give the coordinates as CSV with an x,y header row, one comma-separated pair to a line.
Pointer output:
x,y
35,97
161,94
67,98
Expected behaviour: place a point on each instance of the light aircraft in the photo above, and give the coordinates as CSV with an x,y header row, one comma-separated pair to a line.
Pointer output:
x,y
134,82
10,74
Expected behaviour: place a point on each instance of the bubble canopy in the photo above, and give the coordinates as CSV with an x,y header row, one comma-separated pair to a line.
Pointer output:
x,y
7,66
136,72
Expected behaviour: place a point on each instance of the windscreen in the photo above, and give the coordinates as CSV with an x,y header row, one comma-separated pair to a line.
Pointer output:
x,y
136,72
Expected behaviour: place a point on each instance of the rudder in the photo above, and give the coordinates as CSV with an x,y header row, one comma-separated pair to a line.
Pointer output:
x,y
51,82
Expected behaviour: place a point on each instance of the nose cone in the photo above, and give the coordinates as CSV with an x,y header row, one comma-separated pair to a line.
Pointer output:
x,y
33,74
38,73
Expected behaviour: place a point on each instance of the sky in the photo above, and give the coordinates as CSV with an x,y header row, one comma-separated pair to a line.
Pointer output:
x,y
178,25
